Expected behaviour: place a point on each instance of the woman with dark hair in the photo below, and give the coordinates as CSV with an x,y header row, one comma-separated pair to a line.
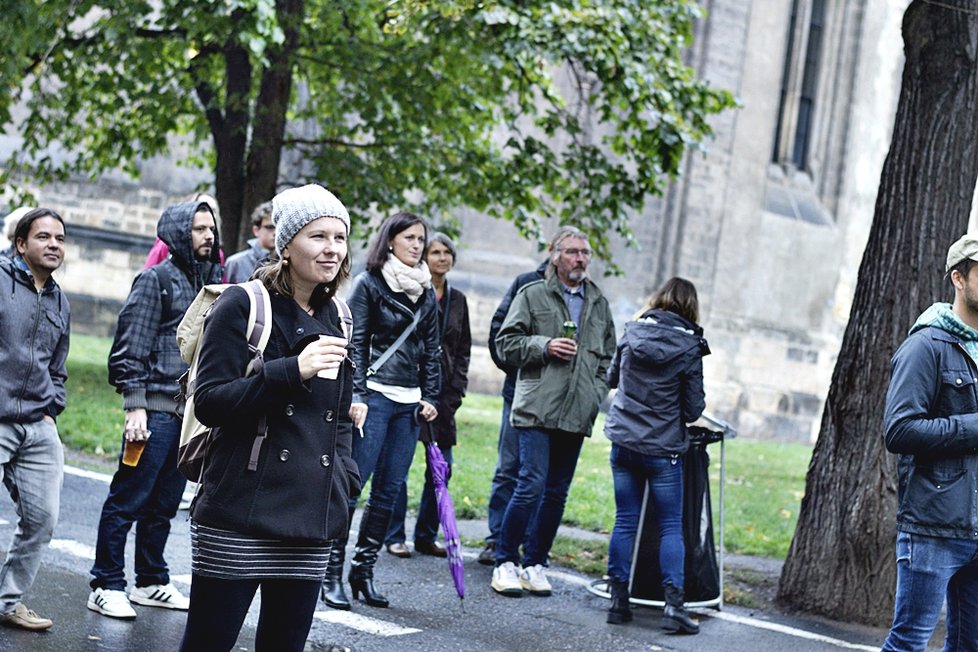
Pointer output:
x,y
456,349
270,527
658,370
397,377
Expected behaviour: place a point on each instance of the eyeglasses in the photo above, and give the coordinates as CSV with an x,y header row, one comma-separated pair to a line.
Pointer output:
x,y
573,252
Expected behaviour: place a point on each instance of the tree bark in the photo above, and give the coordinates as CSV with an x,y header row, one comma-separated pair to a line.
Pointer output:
x,y
271,111
841,562
231,142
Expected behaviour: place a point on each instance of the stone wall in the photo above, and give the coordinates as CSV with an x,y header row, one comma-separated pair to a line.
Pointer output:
x,y
775,287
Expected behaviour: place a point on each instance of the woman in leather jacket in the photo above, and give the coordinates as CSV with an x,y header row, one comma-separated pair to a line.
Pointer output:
x,y
393,295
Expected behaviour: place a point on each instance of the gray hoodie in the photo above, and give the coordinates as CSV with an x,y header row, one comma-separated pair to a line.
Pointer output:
x,y
33,346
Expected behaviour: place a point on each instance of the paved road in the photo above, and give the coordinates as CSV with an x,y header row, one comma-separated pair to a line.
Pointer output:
x,y
425,614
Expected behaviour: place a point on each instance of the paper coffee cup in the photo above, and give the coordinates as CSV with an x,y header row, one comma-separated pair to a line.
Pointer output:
x,y
329,374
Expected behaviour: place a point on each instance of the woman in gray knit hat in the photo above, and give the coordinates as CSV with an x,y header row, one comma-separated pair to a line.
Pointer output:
x,y
269,527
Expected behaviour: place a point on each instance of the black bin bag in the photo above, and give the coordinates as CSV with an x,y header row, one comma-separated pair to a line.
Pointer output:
x,y
702,571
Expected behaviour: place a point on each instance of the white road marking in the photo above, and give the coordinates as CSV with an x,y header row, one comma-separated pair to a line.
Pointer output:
x,y
74,548
364,624
107,479
383,628
790,631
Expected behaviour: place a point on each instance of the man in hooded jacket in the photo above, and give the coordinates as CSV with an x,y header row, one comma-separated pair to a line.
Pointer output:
x,y
931,422
34,318
144,366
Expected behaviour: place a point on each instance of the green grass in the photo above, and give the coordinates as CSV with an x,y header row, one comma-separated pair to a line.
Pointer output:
x,y
764,480
93,419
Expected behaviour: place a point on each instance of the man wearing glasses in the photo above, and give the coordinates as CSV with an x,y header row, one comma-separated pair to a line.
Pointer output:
x,y
560,335
241,265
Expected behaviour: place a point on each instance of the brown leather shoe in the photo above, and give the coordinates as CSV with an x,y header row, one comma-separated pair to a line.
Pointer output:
x,y
430,548
24,618
399,550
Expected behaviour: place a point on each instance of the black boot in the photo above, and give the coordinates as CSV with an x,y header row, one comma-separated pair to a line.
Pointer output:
x,y
620,611
332,591
373,529
676,619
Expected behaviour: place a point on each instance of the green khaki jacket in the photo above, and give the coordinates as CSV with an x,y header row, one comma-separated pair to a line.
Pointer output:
x,y
554,394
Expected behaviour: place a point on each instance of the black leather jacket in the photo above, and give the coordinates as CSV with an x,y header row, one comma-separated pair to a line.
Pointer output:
x,y
379,317
931,422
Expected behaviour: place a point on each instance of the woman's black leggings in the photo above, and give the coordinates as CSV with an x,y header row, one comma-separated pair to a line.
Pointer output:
x,y
218,608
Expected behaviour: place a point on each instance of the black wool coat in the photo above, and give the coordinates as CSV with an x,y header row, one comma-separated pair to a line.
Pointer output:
x,y
305,475
456,350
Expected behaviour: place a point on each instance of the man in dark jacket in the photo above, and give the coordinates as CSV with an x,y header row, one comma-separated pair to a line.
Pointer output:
x,y
144,366
34,318
560,334
931,422
508,457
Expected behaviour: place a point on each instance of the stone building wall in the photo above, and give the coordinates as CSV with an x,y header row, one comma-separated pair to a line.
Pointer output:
x,y
773,249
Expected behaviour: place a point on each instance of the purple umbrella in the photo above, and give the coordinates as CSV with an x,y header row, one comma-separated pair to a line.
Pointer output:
x,y
438,468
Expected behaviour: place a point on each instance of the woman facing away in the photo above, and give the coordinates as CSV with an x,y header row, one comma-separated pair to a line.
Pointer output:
x,y
658,370
456,349
270,528
394,377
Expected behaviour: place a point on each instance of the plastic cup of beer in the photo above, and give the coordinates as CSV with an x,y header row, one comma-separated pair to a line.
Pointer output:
x,y
133,450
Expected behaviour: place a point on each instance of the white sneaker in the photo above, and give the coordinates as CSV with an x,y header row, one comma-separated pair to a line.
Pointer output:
x,y
160,595
534,580
506,580
113,604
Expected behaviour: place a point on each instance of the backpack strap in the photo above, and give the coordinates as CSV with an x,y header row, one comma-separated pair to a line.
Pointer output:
x,y
259,330
346,317
166,290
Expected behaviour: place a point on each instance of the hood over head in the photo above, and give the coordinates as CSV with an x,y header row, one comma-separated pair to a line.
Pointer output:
x,y
661,336
174,229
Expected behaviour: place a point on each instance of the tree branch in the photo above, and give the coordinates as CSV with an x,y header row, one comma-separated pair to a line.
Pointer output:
x,y
333,142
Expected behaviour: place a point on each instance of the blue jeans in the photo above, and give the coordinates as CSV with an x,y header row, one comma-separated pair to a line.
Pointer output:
x,y
632,472
507,473
547,463
32,468
426,527
386,449
930,569
148,495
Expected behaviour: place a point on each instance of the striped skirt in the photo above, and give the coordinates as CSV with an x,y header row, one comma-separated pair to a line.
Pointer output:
x,y
231,555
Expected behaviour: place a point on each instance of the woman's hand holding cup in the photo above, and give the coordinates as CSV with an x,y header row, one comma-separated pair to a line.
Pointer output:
x,y
322,357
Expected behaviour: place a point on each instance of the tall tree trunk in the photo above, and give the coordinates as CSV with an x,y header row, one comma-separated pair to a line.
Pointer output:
x,y
271,109
841,562
231,144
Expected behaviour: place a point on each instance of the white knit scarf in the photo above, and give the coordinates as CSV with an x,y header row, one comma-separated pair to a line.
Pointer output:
x,y
412,281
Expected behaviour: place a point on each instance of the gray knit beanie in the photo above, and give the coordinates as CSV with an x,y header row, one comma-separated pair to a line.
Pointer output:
x,y
292,209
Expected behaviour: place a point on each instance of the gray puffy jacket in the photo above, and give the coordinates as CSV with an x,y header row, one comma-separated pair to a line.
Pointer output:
x,y
658,370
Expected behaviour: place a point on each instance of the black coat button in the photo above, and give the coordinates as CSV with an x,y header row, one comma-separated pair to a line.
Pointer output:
x,y
329,415
289,410
300,331
324,460
284,455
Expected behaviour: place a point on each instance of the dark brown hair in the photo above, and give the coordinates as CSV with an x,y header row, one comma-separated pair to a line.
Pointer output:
x,y
378,253
679,296
24,224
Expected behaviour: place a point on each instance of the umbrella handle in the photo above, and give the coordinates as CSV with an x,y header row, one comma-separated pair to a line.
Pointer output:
x,y
425,436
